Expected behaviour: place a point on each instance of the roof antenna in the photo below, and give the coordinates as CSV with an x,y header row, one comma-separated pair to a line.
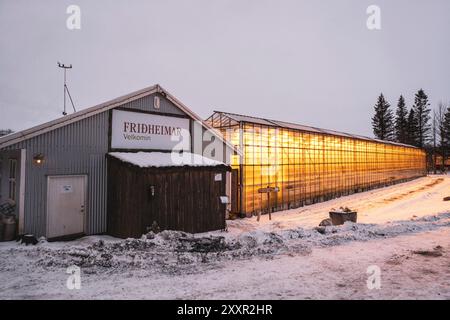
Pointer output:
x,y
66,89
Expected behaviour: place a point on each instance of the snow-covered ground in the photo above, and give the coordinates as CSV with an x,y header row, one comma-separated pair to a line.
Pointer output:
x,y
418,198
403,230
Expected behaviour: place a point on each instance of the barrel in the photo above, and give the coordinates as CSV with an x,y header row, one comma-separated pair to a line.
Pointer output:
x,y
9,228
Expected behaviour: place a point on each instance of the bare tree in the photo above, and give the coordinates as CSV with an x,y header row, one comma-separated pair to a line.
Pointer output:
x,y
434,129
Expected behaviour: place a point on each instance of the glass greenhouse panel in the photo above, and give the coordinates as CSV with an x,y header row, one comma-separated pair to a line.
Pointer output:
x,y
304,167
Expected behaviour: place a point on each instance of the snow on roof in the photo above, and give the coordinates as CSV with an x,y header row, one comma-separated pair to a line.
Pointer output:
x,y
165,159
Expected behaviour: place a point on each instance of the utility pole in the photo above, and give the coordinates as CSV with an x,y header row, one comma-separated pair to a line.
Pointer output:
x,y
66,89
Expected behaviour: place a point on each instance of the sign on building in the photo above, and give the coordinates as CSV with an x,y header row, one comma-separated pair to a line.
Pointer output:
x,y
134,130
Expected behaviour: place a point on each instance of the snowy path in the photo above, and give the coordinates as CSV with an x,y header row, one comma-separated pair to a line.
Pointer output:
x,y
418,198
403,229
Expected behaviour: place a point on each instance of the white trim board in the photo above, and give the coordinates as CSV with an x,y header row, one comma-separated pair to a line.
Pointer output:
x,y
23,158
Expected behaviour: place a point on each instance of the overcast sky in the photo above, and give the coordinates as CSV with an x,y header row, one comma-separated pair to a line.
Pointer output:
x,y
310,62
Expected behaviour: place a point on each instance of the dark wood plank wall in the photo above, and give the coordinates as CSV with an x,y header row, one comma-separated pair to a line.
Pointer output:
x,y
186,198
235,191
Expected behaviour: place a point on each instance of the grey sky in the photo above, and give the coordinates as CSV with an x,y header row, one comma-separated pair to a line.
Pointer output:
x,y
311,62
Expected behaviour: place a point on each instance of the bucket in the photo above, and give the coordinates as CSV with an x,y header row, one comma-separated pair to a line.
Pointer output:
x,y
9,228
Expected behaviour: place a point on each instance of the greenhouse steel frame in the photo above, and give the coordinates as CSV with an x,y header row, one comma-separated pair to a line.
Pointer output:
x,y
284,165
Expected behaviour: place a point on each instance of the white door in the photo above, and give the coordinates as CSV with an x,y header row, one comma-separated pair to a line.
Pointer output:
x,y
66,204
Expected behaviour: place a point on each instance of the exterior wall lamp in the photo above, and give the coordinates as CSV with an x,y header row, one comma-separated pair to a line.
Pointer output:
x,y
152,191
38,159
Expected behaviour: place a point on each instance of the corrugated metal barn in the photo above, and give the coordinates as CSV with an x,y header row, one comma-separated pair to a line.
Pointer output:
x,y
42,166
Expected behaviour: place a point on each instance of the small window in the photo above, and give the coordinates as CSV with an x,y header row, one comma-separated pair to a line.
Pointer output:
x,y
156,102
12,179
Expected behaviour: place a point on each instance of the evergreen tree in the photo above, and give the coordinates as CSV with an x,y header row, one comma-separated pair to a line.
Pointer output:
x,y
401,121
422,115
382,121
411,136
446,130
4,132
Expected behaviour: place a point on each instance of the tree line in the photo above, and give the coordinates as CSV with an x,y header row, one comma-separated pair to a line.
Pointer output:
x,y
4,132
418,126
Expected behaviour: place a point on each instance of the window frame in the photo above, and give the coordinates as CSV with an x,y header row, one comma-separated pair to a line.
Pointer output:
x,y
12,179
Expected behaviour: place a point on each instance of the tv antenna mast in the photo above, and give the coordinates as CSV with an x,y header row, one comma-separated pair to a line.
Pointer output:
x,y
66,89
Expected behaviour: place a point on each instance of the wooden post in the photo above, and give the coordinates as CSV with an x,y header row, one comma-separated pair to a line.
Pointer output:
x,y
267,190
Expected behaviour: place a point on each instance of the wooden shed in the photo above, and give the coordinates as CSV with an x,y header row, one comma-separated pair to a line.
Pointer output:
x,y
184,192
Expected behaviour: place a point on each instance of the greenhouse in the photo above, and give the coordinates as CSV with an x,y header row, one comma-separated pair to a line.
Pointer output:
x,y
283,165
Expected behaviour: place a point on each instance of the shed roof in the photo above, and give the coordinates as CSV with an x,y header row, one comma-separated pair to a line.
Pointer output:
x,y
288,125
165,159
